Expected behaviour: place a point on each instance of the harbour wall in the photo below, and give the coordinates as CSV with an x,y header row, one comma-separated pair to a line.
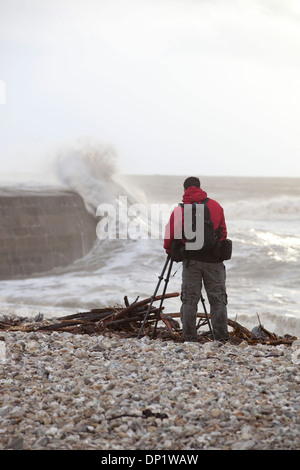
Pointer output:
x,y
41,230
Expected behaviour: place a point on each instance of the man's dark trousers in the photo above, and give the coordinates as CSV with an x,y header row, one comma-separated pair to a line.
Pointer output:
x,y
213,276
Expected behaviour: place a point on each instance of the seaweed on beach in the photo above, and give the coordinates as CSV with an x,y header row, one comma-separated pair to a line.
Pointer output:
x,y
126,321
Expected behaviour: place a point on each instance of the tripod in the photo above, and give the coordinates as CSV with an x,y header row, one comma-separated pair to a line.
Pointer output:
x,y
168,260
160,278
207,319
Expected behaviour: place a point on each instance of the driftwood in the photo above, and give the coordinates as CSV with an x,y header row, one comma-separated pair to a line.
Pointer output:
x,y
127,320
240,333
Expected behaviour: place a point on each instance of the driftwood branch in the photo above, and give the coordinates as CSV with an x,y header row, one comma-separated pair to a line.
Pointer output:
x,y
135,305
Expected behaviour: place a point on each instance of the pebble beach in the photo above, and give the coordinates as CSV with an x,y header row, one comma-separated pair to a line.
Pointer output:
x,y
61,391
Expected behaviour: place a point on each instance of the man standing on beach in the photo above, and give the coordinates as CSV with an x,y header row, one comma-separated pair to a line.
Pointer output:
x,y
201,266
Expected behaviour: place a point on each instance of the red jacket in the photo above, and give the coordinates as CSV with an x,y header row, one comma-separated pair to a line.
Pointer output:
x,y
193,194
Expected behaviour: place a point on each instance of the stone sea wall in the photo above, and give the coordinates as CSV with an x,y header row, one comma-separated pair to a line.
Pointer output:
x,y
41,230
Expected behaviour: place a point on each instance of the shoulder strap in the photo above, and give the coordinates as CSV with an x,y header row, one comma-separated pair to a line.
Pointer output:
x,y
202,202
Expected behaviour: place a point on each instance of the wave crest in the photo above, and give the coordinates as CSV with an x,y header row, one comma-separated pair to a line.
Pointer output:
x,y
87,168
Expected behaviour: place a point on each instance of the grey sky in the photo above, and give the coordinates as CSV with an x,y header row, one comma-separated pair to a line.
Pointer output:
x,y
176,86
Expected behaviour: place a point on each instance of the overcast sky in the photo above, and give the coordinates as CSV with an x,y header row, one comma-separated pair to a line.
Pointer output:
x,y
206,87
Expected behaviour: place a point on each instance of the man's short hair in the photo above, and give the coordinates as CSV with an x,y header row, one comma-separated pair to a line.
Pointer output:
x,y
191,181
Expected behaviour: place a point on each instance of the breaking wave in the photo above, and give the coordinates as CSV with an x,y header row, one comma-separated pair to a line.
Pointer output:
x,y
90,169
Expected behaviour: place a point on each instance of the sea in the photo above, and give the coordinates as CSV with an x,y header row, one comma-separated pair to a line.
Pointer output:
x,y
263,221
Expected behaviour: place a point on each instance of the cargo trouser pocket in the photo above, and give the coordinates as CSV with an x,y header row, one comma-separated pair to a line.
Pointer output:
x,y
214,277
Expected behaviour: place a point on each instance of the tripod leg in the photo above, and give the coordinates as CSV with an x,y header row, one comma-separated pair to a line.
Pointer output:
x,y
154,295
205,311
163,297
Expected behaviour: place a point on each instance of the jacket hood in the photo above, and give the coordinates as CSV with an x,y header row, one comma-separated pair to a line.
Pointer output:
x,y
193,194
